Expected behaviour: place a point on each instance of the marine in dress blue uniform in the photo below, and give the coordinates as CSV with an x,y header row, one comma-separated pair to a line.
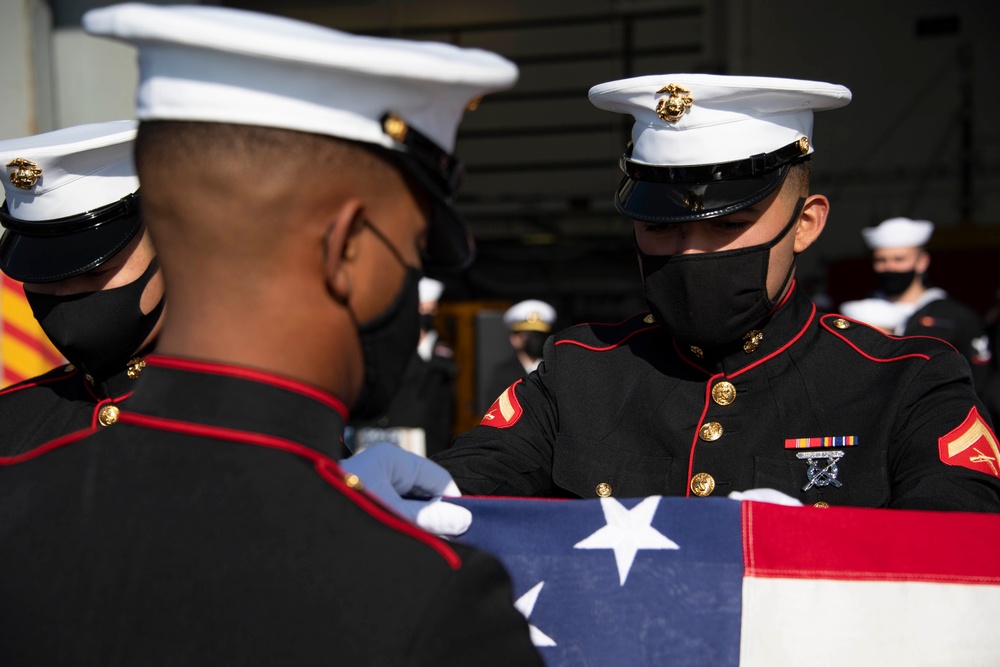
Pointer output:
x,y
212,522
732,381
74,236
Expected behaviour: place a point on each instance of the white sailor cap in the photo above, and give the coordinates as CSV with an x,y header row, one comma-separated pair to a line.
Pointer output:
x,y
530,315
706,145
880,313
430,289
71,201
226,65
898,233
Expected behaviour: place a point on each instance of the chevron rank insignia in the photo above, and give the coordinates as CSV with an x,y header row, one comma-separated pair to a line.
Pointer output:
x,y
972,444
505,411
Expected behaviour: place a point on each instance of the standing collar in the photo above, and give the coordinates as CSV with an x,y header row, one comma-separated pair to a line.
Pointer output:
x,y
118,385
783,328
241,399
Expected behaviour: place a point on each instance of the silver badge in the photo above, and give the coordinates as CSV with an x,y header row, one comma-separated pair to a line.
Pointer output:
x,y
826,475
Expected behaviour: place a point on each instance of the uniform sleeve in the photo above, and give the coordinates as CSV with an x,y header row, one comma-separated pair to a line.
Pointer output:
x,y
510,452
943,454
472,621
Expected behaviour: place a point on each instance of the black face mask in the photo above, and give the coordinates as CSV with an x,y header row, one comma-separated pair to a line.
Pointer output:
x,y
534,344
98,331
713,298
427,322
388,341
895,283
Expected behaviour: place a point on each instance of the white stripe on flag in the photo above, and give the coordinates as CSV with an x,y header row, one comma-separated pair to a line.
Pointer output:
x,y
826,623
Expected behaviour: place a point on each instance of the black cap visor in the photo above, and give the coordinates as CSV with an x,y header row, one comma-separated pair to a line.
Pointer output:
x,y
653,193
52,250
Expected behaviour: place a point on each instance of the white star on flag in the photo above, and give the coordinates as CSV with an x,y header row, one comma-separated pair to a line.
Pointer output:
x,y
526,604
627,531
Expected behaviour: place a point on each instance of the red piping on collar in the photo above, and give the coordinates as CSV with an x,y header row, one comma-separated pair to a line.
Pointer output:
x,y
325,468
835,332
760,361
609,347
244,373
812,316
785,298
38,383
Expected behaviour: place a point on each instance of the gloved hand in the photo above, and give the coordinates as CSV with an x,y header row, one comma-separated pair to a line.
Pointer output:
x,y
766,496
411,485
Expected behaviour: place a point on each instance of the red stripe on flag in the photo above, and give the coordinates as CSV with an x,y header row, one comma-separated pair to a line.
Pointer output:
x,y
10,376
40,347
854,544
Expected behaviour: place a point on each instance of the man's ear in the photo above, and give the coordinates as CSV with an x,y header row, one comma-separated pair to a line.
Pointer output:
x,y
340,248
923,262
812,220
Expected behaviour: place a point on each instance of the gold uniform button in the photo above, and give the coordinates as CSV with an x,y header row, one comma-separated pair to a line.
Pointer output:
x,y
697,351
649,319
69,368
841,323
724,393
353,481
108,415
702,484
821,504
710,432
604,490
89,378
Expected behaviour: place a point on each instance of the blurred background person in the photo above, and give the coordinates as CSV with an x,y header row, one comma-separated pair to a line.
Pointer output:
x,y
530,324
882,314
900,261
419,418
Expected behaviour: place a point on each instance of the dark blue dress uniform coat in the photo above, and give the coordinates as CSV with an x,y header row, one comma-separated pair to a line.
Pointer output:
x,y
210,525
624,410
62,401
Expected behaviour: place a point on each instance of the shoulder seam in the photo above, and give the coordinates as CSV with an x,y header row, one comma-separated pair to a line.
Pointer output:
x,y
325,467
870,357
38,381
605,348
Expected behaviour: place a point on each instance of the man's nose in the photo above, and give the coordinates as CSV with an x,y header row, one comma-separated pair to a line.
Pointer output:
x,y
691,239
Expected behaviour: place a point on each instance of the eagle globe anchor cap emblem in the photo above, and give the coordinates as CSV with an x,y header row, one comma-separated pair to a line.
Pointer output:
x,y
26,174
671,109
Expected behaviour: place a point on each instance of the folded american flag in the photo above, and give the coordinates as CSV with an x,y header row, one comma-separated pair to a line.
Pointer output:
x,y
672,581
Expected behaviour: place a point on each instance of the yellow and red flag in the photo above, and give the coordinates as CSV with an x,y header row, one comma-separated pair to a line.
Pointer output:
x,y
24,349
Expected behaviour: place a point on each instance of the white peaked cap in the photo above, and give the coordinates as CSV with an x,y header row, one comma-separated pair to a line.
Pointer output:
x,y
226,65
68,172
530,315
898,233
430,289
877,312
728,118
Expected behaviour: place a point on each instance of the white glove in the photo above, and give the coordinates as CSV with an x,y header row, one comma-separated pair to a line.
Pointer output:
x,y
391,473
766,496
